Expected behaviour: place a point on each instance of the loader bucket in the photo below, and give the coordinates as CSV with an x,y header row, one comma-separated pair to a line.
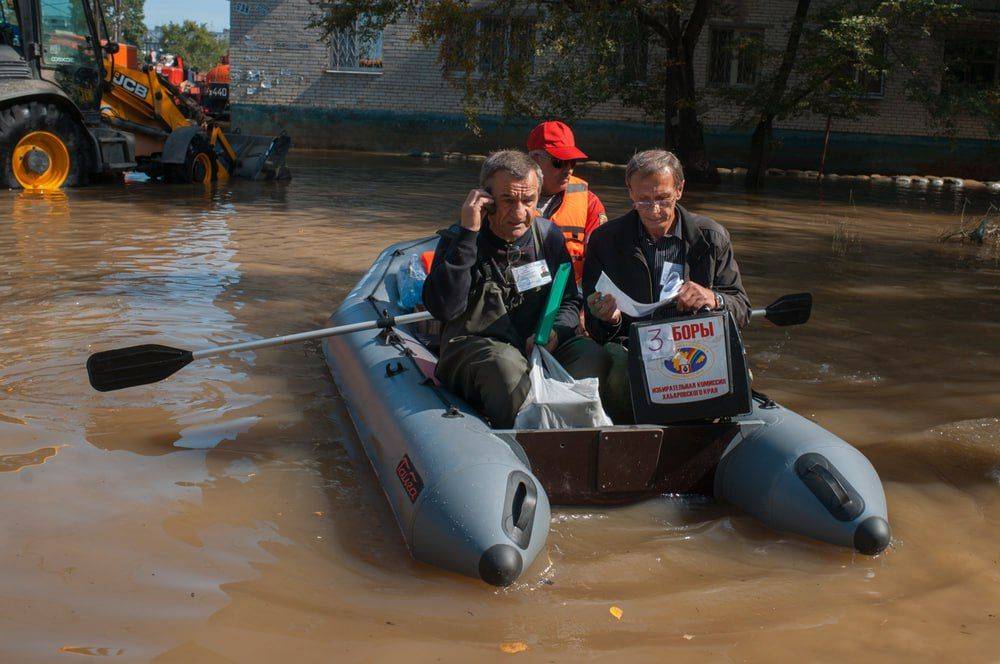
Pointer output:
x,y
260,157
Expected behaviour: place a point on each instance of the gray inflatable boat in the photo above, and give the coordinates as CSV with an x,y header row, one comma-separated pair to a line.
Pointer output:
x,y
475,500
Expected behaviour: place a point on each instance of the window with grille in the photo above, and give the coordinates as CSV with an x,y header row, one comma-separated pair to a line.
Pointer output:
x,y
351,51
504,41
633,52
971,64
868,84
734,56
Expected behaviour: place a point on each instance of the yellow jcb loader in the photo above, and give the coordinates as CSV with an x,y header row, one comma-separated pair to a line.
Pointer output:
x,y
70,111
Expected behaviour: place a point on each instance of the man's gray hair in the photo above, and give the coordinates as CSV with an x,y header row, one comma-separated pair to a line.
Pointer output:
x,y
655,161
515,162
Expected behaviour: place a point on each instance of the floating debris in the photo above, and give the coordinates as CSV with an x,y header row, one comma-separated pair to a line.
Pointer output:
x,y
982,231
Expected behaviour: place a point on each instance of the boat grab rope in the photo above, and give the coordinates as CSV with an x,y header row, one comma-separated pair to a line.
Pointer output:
x,y
390,337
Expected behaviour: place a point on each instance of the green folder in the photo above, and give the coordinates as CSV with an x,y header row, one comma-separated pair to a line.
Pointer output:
x,y
552,304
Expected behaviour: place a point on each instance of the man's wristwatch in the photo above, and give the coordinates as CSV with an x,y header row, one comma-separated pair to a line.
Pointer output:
x,y
719,301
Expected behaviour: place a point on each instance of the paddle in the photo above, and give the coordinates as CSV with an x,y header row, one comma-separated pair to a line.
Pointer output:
x,y
150,363
787,309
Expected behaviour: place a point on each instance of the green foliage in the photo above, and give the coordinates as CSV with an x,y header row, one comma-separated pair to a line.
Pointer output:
x,y
846,48
125,20
195,43
548,58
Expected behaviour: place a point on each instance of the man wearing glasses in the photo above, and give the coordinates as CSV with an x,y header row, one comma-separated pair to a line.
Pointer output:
x,y
565,199
657,248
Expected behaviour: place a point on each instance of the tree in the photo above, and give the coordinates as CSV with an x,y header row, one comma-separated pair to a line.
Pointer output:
x,y
125,20
194,42
584,51
830,58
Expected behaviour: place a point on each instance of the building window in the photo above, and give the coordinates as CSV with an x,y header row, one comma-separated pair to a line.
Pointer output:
x,y
971,64
352,51
734,56
633,53
868,84
504,42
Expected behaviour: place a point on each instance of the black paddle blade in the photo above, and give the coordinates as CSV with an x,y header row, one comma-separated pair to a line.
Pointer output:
x,y
136,365
790,309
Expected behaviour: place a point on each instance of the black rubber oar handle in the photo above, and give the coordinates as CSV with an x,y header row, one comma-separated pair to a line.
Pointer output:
x,y
793,309
150,363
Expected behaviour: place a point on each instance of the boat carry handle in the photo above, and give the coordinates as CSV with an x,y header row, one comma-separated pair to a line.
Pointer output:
x,y
829,486
519,508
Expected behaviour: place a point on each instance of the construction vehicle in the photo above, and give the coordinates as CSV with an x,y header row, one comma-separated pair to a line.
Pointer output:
x,y
76,105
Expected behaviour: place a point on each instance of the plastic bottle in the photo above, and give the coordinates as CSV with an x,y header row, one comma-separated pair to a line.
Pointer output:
x,y
410,283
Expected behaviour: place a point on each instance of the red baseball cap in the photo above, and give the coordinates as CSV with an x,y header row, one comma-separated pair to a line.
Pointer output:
x,y
556,138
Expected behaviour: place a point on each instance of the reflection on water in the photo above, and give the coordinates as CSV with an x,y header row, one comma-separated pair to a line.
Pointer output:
x,y
228,513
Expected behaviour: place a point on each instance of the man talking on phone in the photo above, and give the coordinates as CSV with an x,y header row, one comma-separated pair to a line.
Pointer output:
x,y
488,285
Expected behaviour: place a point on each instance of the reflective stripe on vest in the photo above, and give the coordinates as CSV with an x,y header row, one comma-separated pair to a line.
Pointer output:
x,y
571,218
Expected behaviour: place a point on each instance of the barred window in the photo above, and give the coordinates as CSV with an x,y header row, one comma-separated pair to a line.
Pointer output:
x,y
350,50
971,63
504,41
633,52
869,84
734,56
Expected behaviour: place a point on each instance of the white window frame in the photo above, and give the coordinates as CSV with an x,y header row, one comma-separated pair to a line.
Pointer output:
x,y
732,77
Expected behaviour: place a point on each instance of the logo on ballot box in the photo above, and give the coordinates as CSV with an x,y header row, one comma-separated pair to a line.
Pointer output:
x,y
686,361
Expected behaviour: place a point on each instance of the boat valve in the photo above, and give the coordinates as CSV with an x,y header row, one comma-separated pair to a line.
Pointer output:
x,y
391,371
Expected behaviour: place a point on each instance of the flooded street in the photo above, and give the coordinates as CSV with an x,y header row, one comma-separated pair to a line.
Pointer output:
x,y
229,514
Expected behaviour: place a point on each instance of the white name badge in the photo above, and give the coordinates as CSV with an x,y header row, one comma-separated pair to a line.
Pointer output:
x,y
532,275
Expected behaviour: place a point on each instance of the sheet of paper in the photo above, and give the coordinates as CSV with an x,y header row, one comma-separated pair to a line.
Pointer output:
x,y
627,305
671,279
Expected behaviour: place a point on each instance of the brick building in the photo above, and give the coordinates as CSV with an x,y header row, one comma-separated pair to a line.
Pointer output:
x,y
391,95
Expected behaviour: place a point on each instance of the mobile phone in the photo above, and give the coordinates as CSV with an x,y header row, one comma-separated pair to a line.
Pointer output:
x,y
490,208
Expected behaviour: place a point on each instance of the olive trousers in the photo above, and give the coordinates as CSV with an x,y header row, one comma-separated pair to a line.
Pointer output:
x,y
493,376
616,395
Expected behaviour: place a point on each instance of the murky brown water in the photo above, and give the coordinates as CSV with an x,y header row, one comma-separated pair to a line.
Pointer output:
x,y
227,514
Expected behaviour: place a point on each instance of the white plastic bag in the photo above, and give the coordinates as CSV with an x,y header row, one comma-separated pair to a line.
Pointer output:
x,y
558,401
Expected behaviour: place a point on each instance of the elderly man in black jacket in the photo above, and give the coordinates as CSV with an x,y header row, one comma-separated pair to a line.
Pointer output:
x,y
658,246
488,285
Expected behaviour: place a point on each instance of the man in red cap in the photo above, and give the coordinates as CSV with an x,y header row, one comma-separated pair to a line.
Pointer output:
x,y
565,199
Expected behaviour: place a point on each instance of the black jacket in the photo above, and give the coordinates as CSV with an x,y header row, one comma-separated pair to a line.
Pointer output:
x,y
615,249
460,251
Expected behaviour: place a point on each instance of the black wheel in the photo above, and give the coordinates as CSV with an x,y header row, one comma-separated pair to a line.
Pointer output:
x,y
199,163
42,146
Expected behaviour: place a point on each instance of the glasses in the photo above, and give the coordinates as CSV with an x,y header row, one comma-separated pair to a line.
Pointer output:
x,y
659,203
562,163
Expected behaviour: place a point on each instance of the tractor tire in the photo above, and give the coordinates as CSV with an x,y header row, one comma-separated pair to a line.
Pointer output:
x,y
42,147
199,167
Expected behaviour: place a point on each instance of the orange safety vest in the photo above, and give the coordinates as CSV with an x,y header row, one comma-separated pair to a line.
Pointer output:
x,y
571,218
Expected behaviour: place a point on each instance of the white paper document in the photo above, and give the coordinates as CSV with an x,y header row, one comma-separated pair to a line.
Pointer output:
x,y
630,307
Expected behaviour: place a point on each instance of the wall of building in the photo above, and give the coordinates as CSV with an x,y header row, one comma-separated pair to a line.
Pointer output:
x,y
282,79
